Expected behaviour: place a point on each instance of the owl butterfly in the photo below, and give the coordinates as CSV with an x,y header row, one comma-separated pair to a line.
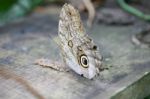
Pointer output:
x,y
77,49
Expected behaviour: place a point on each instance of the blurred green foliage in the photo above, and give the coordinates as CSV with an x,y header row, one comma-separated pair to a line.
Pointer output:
x,y
6,5
148,97
12,9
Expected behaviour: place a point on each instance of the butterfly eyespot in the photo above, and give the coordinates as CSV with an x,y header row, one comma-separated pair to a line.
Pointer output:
x,y
69,13
70,44
94,47
84,61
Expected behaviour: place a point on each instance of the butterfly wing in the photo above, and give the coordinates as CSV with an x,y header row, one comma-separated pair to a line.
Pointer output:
x,y
78,50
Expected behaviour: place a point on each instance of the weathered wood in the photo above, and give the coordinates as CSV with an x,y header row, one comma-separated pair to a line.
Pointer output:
x,y
21,43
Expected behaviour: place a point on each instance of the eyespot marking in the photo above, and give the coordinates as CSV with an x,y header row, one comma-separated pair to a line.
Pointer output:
x,y
70,13
84,61
70,44
94,47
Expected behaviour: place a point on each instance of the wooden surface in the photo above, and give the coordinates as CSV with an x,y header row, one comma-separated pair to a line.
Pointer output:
x,y
23,42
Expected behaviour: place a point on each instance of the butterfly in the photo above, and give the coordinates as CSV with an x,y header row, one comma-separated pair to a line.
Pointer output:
x,y
77,49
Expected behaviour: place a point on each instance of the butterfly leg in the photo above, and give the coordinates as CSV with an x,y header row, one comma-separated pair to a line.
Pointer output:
x,y
58,66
